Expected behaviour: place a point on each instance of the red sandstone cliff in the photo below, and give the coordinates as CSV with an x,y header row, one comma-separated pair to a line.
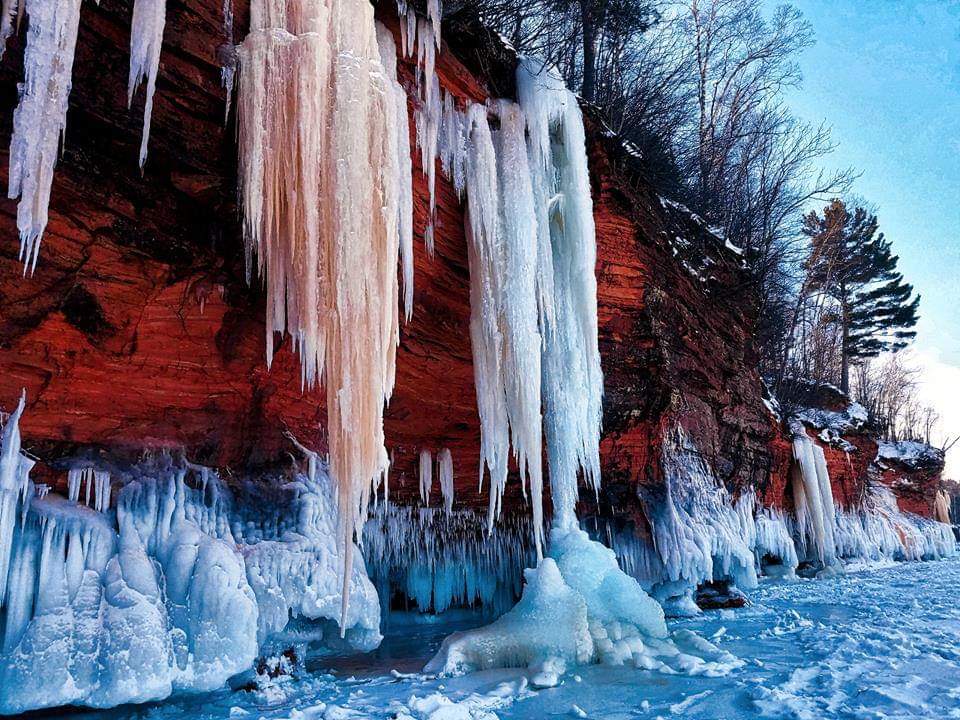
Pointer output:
x,y
855,456
139,331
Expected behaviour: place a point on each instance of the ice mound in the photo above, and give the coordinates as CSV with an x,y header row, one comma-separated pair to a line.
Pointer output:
x,y
177,587
108,609
579,607
295,570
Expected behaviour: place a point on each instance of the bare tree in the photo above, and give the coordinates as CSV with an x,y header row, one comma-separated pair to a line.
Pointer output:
x,y
888,390
697,87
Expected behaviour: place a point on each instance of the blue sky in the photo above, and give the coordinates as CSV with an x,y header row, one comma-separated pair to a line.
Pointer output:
x,y
885,74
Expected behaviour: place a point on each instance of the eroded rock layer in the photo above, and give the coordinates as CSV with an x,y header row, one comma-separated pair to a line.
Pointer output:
x,y
138,329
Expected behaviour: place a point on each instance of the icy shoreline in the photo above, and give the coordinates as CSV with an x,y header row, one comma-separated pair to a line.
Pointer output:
x,y
850,646
158,579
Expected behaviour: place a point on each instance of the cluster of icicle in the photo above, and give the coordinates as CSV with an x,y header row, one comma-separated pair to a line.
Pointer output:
x,y
325,213
701,534
94,482
877,531
814,508
171,583
439,559
40,119
445,472
731,544
532,250
421,36
522,169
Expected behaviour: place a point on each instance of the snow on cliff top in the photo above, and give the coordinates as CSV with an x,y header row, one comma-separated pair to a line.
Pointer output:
x,y
834,424
828,412
909,452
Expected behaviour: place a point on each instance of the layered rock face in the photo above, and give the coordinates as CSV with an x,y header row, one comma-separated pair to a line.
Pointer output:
x,y
857,458
139,330
675,337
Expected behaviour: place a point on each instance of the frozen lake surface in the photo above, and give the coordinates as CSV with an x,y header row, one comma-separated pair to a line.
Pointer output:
x,y
875,643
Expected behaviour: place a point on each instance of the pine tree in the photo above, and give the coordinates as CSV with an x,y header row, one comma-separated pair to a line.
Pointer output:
x,y
853,266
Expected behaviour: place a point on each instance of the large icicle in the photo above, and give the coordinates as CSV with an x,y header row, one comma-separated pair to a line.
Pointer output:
x,y
426,475
503,312
566,283
400,173
146,39
9,20
813,498
321,215
422,35
445,470
228,70
40,119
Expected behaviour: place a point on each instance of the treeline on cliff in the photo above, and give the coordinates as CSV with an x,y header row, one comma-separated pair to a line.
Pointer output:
x,y
697,88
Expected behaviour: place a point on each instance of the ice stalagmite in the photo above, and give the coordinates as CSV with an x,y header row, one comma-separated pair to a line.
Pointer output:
x,y
321,214
40,119
146,38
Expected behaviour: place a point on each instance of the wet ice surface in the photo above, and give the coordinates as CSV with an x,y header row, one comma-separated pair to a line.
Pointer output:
x,y
879,643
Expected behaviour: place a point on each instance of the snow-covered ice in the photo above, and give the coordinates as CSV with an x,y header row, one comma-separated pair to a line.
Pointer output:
x,y
879,643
